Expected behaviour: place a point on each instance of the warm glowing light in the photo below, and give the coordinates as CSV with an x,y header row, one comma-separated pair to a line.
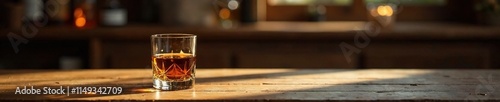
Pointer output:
x,y
80,21
80,18
224,13
78,12
385,10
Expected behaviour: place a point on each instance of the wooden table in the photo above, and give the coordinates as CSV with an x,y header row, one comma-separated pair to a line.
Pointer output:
x,y
271,84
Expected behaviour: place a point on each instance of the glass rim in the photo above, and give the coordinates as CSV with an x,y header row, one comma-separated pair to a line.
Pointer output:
x,y
173,35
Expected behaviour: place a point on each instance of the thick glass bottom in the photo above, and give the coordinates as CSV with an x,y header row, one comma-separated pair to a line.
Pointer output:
x,y
166,85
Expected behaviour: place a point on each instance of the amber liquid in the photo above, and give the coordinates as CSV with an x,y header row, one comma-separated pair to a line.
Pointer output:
x,y
173,66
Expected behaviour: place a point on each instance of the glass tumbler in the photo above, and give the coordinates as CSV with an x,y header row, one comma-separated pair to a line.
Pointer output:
x,y
173,60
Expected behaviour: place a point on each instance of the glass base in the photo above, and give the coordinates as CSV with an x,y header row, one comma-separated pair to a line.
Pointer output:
x,y
167,85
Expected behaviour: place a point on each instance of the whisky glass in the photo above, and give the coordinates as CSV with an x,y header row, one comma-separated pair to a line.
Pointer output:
x,y
173,60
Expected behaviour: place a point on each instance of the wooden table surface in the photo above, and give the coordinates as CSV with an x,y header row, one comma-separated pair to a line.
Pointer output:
x,y
271,84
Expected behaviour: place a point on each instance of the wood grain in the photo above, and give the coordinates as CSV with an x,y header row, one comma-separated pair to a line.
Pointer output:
x,y
270,84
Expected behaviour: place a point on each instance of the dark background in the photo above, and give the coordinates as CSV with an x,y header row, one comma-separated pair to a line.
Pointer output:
x,y
454,34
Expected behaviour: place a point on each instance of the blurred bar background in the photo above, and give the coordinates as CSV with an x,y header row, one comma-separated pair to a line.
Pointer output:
x,y
86,34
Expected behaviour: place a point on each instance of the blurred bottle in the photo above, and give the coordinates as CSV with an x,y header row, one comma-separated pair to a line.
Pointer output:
x,y
58,11
248,11
33,10
70,62
149,11
113,14
187,13
317,12
12,14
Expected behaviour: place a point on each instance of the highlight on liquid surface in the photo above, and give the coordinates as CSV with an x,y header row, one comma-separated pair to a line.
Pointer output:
x,y
173,66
